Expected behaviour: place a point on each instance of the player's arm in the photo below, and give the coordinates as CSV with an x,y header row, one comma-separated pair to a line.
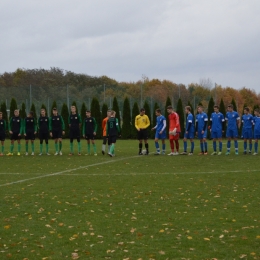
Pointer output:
x,y
196,125
205,124
189,125
136,123
62,124
117,126
238,121
69,121
154,127
95,125
104,123
22,127
10,125
83,129
35,126
107,127
80,120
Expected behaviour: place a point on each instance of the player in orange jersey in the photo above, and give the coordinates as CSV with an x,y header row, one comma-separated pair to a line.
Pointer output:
x,y
105,137
174,130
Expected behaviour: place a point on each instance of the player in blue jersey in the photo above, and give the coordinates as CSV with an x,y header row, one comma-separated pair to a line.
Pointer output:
x,y
189,131
256,129
233,123
247,130
160,131
201,130
217,126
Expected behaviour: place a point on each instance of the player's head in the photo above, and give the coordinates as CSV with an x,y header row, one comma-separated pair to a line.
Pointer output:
x,y
30,114
158,112
73,109
230,108
169,109
142,111
108,113
55,111
43,112
187,109
257,112
88,113
216,108
200,108
246,110
112,113
1,115
16,112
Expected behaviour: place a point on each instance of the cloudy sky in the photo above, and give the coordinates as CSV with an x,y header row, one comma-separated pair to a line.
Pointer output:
x,y
180,40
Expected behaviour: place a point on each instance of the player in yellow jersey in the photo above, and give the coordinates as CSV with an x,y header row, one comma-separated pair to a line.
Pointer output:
x,y
142,122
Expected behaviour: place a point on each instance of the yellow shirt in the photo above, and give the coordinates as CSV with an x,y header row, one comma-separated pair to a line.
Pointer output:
x,y
142,122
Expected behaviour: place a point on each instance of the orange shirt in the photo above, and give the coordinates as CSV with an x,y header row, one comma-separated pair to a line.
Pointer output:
x,y
174,122
104,126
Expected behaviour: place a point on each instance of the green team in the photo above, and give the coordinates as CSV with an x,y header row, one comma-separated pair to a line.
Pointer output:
x,y
2,133
112,132
57,129
89,131
30,129
74,126
43,124
16,130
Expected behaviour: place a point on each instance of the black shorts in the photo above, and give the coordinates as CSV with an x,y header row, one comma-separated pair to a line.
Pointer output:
x,y
74,133
43,136
89,137
112,139
142,134
56,134
2,137
29,136
14,136
105,140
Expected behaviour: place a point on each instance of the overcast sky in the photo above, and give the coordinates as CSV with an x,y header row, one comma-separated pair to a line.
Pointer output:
x,y
179,40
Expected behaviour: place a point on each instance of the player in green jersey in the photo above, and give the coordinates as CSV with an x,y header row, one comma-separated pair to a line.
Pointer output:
x,y
2,133
43,124
30,129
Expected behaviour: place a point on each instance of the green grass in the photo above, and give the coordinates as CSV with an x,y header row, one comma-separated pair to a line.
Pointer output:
x,y
129,206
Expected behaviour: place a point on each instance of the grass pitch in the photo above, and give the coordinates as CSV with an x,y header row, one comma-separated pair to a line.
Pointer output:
x,y
129,206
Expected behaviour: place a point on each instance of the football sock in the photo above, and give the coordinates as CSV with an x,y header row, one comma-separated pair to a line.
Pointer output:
x,y
71,147
103,147
172,145
112,148
47,148
56,147
94,148
250,146
192,147
228,145
236,145
11,148
214,146
60,145
40,148
108,147
256,147
79,147
157,146
163,147
140,147
220,146
206,146
32,147
88,148
147,146
245,146
19,148
177,145
26,147
3,148
201,147
185,146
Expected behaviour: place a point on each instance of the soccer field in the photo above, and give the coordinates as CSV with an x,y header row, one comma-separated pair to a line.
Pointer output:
x,y
129,206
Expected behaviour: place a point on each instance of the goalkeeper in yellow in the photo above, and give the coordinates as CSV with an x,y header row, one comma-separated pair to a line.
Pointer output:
x,y
142,122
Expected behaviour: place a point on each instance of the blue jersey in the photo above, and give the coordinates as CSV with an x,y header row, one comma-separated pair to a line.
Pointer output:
x,y
232,118
159,123
217,120
257,125
247,121
201,121
190,119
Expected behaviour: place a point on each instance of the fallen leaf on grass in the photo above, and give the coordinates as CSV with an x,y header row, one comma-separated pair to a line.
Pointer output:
x,y
206,239
242,256
189,237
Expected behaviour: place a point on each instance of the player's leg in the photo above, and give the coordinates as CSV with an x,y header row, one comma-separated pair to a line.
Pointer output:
x,y
88,144
228,135
79,145
171,145
163,146
104,145
32,145
146,145
256,146
191,146
41,143
157,147
2,147
185,145
250,146
18,145
46,143
205,143
94,145
56,145
201,147
214,145
176,139
236,145
26,144
245,144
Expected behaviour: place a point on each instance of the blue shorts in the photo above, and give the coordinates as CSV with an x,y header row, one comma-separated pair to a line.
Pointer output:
x,y
160,136
247,133
216,134
190,135
256,136
202,136
232,133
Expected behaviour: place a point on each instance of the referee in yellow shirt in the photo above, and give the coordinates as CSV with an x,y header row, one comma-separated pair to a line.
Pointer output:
x,y
141,124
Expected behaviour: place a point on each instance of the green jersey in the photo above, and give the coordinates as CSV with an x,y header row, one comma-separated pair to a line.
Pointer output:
x,y
89,125
2,126
112,126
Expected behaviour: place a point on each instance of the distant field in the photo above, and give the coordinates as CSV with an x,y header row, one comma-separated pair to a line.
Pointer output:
x,y
129,206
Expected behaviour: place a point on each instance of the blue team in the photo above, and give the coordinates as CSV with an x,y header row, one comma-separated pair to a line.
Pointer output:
x,y
256,129
160,131
201,130
233,123
247,130
217,126
189,131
